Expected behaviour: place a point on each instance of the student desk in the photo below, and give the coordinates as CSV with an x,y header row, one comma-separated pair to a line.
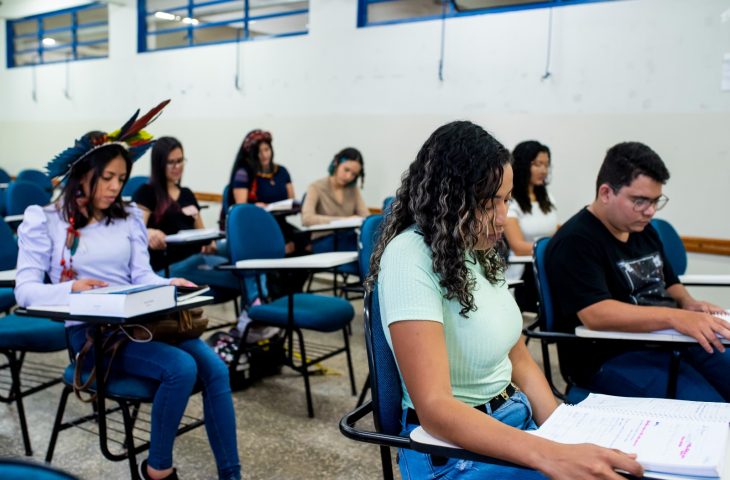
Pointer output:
x,y
7,278
189,238
699,280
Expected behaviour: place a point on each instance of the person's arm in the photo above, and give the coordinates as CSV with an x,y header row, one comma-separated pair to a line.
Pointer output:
x,y
240,195
140,271
515,237
35,251
155,237
529,377
688,302
290,190
625,317
420,350
361,208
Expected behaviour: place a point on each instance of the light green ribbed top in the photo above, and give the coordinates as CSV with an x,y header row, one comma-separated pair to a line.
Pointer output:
x,y
477,346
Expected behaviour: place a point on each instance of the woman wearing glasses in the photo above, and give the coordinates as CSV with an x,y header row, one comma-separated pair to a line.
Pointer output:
x,y
531,215
168,207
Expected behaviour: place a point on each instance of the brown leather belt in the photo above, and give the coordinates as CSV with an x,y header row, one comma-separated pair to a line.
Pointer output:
x,y
494,404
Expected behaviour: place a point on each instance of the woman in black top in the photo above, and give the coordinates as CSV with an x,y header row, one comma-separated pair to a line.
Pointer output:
x,y
168,208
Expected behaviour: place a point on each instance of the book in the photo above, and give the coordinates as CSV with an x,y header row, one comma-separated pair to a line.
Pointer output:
x,y
193,235
186,293
282,205
675,437
122,301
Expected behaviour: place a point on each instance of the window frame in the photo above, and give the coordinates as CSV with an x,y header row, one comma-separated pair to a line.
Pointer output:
x,y
74,28
452,12
187,8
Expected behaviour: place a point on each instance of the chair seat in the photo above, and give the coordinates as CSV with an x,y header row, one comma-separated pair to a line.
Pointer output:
x,y
7,298
312,312
31,334
129,387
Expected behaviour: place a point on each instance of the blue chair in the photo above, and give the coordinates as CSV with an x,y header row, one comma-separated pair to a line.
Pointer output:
x,y
22,194
4,176
295,312
37,177
388,204
133,184
8,260
385,404
16,469
673,246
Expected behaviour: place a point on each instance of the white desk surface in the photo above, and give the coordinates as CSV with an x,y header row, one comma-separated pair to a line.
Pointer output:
x,y
14,218
419,435
519,259
718,280
184,236
6,275
66,308
317,260
296,221
658,336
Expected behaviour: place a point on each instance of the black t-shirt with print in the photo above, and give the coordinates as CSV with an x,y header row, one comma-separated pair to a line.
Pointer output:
x,y
586,264
179,215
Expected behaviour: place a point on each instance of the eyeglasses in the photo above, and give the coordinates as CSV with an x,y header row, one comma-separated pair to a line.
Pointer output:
x,y
175,163
545,165
642,203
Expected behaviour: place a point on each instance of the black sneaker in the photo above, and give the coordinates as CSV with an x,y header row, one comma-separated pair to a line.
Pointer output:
x,y
144,476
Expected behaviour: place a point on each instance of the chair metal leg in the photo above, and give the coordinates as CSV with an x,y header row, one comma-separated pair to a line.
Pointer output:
x,y
129,438
345,335
15,364
57,423
364,391
387,463
305,374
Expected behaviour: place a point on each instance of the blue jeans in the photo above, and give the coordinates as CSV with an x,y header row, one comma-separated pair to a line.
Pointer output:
x,y
178,368
702,376
516,412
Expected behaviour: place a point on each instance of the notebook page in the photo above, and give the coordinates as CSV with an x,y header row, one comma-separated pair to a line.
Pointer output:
x,y
660,407
661,445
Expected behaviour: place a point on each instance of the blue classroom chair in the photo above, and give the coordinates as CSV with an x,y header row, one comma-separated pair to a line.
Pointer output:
x,y
22,194
37,177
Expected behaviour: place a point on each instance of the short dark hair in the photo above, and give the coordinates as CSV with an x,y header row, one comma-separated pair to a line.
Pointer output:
x,y
626,161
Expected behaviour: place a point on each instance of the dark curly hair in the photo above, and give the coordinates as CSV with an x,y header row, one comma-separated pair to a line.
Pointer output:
x,y
445,190
522,157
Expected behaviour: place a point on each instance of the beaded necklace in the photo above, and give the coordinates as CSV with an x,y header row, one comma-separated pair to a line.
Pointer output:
x,y
72,244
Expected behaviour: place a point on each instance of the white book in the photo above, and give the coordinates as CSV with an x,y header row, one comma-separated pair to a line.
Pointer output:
x,y
122,301
287,204
193,235
668,436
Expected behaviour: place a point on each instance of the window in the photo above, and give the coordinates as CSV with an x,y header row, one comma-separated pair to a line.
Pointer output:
x,y
73,34
383,12
186,23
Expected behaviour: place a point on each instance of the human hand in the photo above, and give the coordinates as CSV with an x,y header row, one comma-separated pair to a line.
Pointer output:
x,y
703,327
702,306
181,282
260,204
156,239
83,284
588,461
209,249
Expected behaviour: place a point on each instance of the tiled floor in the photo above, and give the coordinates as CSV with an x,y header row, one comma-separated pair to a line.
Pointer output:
x,y
276,439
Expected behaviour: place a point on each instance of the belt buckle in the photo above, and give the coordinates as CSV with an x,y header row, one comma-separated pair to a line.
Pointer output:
x,y
504,395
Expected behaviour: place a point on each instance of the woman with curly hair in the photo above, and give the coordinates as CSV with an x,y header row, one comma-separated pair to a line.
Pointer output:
x,y
532,214
455,329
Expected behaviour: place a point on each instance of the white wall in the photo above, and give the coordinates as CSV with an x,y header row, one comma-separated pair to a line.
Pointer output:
x,y
646,70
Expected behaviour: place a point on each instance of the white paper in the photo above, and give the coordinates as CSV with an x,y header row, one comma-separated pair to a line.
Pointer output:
x,y
287,204
191,235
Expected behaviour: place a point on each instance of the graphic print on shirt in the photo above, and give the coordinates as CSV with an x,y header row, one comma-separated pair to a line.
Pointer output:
x,y
645,277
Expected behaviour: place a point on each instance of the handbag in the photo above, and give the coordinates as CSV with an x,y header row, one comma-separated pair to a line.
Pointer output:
x,y
170,328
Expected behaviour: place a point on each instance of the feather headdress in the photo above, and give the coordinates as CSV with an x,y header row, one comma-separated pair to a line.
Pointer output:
x,y
130,136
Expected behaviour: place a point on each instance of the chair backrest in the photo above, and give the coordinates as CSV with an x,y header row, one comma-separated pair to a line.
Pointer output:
x,y
21,194
4,176
547,316
385,385
673,247
21,469
133,184
369,234
387,203
252,232
8,247
37,177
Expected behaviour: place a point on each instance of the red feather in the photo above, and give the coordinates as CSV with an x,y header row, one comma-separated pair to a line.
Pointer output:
x,y
143,121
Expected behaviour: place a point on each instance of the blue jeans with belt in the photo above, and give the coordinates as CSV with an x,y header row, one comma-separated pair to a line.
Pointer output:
x,y
516,412
178,368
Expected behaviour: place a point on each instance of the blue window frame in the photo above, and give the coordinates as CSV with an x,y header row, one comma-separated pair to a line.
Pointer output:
x,y
165,24
76,33
385,12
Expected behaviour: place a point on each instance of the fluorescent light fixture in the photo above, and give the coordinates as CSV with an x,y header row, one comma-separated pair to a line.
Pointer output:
x,y
164,16
190,21
48,41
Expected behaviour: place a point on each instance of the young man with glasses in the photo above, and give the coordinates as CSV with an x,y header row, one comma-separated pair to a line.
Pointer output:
x,y
607,270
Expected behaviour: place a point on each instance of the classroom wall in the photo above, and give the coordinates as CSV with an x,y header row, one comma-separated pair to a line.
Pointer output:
x,y
647,70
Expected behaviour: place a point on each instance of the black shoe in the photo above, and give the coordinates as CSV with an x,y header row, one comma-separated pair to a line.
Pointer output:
x,y
144,476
